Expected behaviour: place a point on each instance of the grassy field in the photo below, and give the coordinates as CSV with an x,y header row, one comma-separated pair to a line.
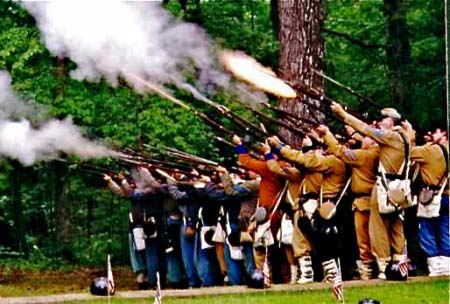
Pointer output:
x,y
432,292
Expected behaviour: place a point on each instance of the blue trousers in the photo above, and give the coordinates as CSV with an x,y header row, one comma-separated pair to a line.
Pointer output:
x,y
174,260
187,253
238,271
137,257
434,235
207,265
154,253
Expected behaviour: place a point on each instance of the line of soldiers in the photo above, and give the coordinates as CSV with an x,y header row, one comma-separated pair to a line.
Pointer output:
x,y
301,212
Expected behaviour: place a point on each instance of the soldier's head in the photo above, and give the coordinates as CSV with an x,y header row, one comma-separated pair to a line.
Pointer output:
x,y
390,118
439,136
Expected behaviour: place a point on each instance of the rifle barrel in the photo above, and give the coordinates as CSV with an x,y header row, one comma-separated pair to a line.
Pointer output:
x,y
348,89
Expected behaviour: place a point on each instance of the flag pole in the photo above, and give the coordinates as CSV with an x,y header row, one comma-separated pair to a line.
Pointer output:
x,y
340,278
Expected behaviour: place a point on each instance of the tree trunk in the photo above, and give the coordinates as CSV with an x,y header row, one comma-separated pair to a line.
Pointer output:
x,y
61,197
60,178
398,54
301,50
17,207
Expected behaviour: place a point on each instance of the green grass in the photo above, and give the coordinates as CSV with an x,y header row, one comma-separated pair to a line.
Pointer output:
x,y
433,292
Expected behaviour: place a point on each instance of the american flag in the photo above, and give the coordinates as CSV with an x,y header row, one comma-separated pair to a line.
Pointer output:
x,y
111,287
403,265
338,288
266,271
158,296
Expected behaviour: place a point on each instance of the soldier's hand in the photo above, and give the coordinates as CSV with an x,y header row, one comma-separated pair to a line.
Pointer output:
x,y
264,148
120,176
237,140
406,125
307,141
322,130
107,178
350,131
273,141
336,108
195,172
221,169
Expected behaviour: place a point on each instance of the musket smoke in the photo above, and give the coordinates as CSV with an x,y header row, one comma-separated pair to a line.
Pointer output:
x,y
19,140
113,39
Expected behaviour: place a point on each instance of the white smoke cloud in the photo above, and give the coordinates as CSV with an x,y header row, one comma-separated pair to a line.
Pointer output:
x,y
114,38
19,140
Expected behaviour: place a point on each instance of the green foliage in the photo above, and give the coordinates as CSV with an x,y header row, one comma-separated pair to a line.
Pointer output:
x,y
364,68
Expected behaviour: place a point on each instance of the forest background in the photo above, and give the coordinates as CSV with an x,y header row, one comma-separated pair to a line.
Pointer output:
x,y
54,215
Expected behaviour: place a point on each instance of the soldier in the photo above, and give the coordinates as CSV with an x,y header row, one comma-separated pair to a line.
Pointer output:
x,y
433,208
136,241
363,163
333,180
386,230
309,194
269,191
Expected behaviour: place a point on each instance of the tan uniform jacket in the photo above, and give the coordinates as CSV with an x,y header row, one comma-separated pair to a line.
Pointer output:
x,y
312,179
432,163
364,163
392,150
332,169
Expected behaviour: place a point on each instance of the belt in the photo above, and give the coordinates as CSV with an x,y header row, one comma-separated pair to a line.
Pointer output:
x,y
359,195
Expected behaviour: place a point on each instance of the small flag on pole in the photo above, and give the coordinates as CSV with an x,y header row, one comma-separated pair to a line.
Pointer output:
x,y
338,288
403,265
158,295
111,286
266,271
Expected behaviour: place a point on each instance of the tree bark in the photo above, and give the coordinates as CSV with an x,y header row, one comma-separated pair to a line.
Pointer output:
x,y
60,177
398,53
17,206
301,50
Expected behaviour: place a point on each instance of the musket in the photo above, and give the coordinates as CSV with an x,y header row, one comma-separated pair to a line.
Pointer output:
x,y
87,168
223,140
290,116
348,89
314,94
275,121
176,101
241,122
153,167
192,157
151,161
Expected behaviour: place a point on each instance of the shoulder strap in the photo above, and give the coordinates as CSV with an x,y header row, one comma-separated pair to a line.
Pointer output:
x,y
445,152
405,167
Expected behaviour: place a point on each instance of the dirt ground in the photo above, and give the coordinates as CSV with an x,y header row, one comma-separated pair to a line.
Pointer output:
x,y
57,286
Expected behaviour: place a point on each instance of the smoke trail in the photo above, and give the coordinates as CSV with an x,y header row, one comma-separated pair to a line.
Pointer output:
x,y
115,38
19,140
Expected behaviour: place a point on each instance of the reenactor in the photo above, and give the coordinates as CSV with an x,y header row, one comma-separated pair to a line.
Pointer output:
x,y
363,163
433,208
324,231
385,222
270,192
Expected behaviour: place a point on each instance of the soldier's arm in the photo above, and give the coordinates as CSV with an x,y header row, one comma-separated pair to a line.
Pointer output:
x,y
148,178
289,173
349,156
419,154
292,154
257,166
380,136
114,187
